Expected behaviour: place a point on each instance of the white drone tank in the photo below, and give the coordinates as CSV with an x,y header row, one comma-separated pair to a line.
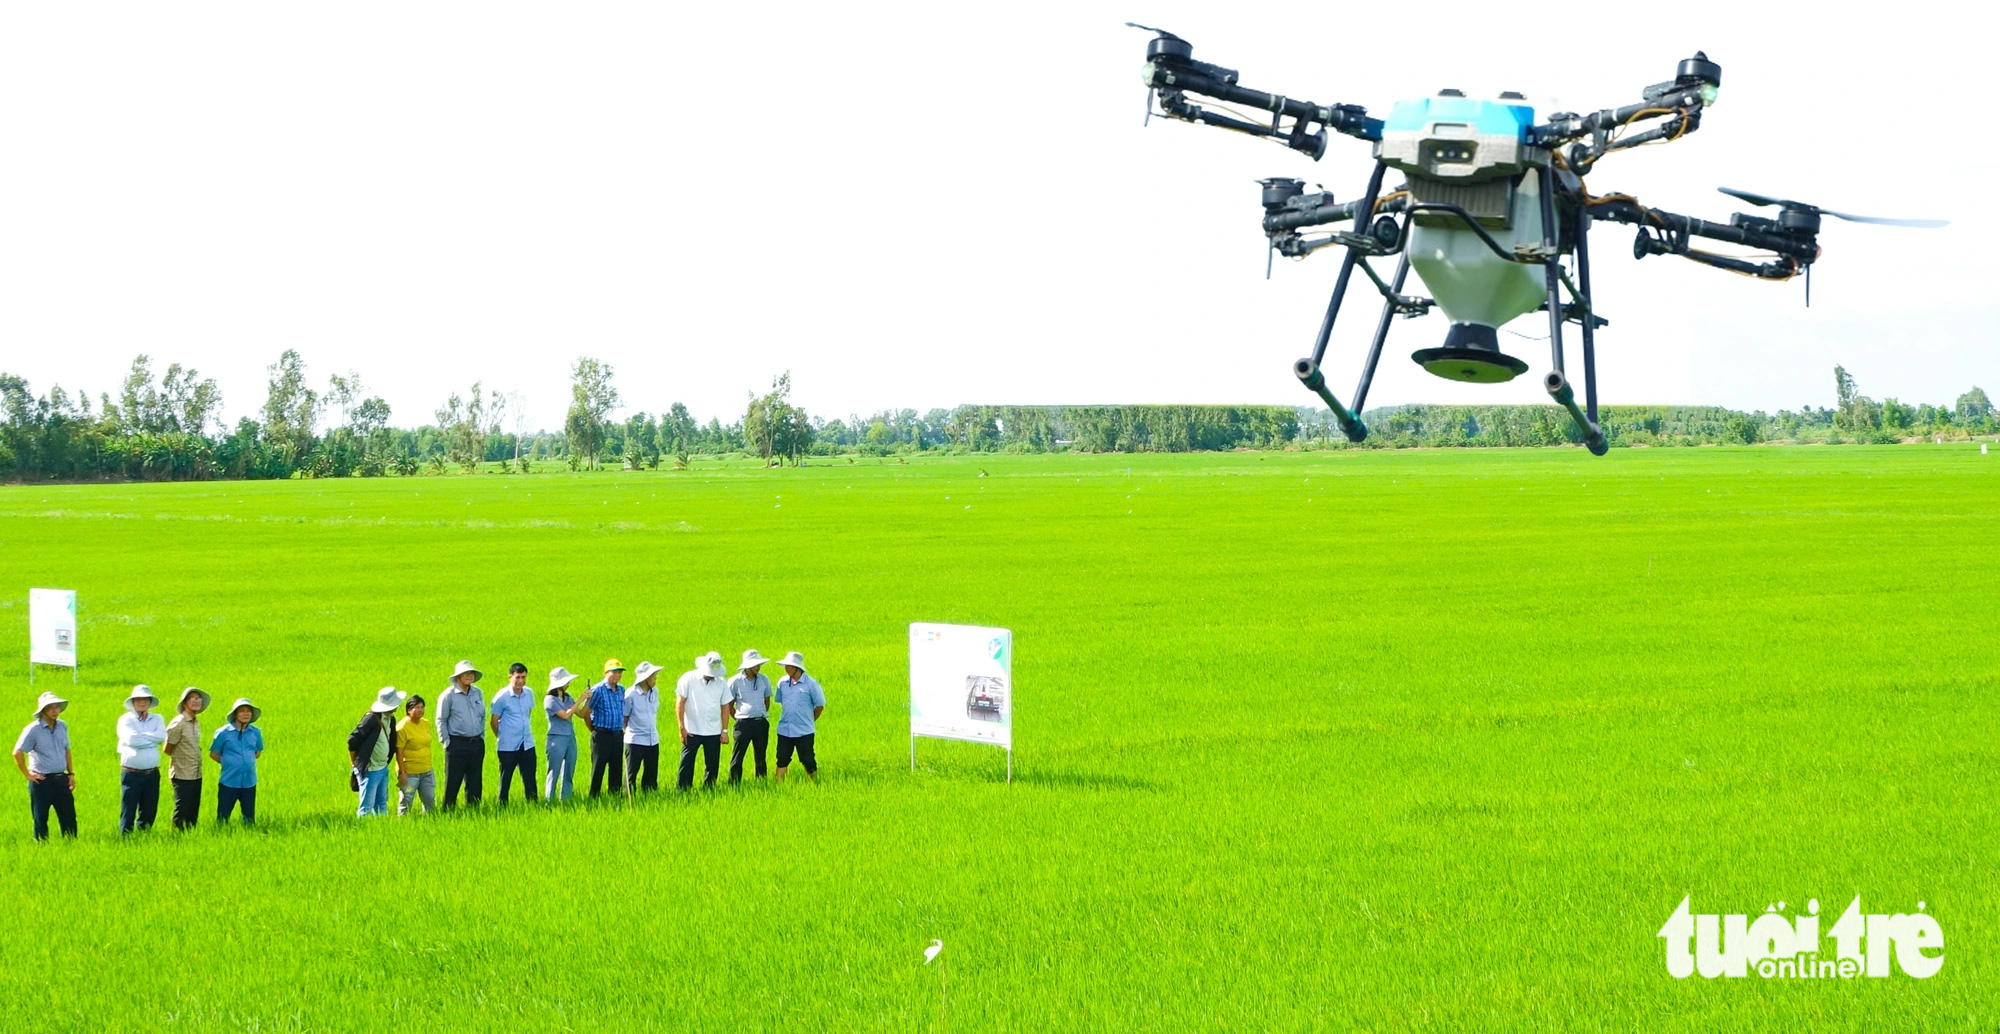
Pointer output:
x,y
1472,155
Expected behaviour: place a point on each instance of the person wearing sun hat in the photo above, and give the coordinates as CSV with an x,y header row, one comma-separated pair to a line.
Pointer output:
x,y
800,703
700,698
140,733
750,700
369,748
42,754
236,747
183,749
559,736
461,728
605,711
642,729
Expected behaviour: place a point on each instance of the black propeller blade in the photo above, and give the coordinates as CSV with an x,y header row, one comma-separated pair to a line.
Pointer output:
x,y
1800,206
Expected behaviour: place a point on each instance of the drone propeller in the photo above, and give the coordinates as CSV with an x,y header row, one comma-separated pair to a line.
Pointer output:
x,y
1800,206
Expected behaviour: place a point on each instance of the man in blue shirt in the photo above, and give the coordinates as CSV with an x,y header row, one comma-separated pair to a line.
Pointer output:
x,y
605,710
801,702
236,747
43,756
511,739
750,704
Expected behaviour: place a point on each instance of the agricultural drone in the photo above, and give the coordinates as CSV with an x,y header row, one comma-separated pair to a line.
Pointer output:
x,y
1491,204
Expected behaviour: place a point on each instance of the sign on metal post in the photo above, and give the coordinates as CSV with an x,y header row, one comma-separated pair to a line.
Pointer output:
x,y
962,686
51,629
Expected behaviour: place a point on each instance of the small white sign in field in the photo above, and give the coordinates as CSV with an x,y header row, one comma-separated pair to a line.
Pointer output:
x,y
962,686
51,629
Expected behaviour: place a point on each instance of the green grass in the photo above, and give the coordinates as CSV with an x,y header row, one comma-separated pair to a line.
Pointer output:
x,y
1385,741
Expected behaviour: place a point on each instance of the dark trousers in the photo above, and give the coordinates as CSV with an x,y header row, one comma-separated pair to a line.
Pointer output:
x,y
187,802
606,747
642,757
138,799
228,797
749,731
510,761
711,746
802,744
52,792
464,762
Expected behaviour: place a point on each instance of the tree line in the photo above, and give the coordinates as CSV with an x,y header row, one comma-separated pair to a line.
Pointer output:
x,y
168,426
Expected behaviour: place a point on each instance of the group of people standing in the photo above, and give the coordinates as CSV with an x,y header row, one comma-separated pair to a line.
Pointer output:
x,y
146,744
623,725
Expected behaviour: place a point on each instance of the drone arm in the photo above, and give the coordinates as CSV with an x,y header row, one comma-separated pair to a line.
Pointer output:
x,y
1672,232
1172,73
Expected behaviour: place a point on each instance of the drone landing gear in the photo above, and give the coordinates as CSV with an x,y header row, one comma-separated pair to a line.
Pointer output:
x,y
1557,383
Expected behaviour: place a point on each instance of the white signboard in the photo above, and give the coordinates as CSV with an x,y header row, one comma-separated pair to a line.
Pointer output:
x,y
962,685
52,627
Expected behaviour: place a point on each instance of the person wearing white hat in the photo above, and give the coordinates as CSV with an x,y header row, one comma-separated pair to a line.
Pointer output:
x,y
140,733
700,698
42,754
750,700
461,728
642,729
559,736
800,703
369,748
183,749
513,744
236,747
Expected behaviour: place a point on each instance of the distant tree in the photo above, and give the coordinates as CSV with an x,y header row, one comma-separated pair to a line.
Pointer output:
x,y
1974,406
469,423
291,411
765,417
592,399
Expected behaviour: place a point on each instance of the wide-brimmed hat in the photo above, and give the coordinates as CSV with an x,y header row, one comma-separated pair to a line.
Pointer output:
x,y
793,660
613,665
388,698
560,677
47,699
193,692
647,669
465,666
752,659
241,703
710,662
141,692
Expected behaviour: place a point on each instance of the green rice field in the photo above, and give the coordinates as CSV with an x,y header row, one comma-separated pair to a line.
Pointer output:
x,y
1345,740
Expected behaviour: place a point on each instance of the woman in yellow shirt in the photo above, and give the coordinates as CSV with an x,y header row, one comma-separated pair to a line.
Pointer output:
x,y
413,758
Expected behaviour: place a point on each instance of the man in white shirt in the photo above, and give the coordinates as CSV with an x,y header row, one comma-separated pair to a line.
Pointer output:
x,y
699,698
642,729
140,733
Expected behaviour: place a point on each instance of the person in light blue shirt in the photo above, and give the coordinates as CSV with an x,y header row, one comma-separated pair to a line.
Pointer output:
x,y
801,702
236,748
508,714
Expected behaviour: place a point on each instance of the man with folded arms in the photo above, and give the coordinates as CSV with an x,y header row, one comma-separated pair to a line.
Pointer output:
x,y
140,733
699,700
642,729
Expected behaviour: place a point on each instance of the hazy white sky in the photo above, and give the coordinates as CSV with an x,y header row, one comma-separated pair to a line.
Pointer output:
x,y
916,205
